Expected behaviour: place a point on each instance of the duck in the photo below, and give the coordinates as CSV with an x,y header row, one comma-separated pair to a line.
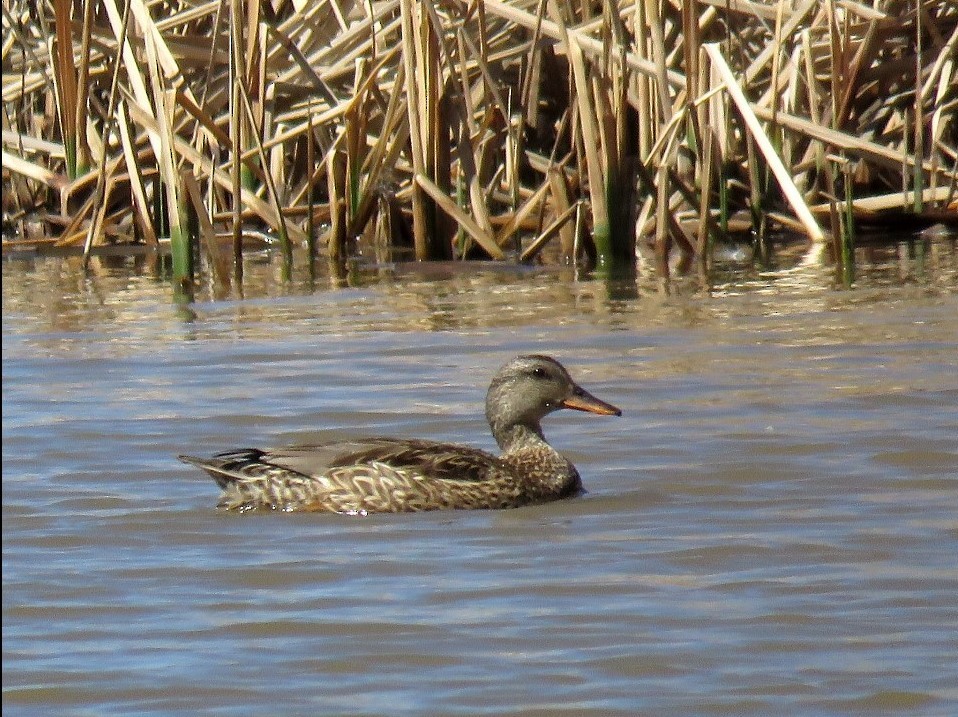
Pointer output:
x,y
393,475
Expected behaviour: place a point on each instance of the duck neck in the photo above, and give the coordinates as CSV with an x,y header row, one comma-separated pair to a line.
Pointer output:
x,y
517,436
545,474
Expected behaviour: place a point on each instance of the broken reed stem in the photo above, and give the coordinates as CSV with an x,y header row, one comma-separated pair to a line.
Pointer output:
x,y
782,175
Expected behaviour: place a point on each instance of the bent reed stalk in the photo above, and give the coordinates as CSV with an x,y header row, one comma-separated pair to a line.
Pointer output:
x,y
479,129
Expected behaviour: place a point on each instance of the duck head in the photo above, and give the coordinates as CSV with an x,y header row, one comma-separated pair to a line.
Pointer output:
x,y
527,389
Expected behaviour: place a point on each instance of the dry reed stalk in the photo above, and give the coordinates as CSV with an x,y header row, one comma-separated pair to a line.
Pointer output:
x,y
517,219
590,46
412,56
560,193
595,166
104,177
481,237
879,154
705,187
884,202
781,173
338,223
219,261
368,164
454,94
272,191
137,187
557,225
164,101
33,171
65,81
236,136
83,84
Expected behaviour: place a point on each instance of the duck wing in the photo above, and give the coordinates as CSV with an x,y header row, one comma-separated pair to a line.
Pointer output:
x,y
429,459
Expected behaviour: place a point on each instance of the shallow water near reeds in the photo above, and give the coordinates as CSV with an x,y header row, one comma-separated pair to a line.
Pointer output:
x,y
771,528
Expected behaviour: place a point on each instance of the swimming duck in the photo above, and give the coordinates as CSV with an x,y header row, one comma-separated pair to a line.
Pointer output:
x,y
391,475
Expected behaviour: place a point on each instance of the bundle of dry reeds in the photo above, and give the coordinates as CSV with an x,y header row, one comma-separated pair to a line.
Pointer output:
x,y
477,128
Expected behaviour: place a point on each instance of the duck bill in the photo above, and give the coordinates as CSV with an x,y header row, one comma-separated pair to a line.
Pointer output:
x,y
582,400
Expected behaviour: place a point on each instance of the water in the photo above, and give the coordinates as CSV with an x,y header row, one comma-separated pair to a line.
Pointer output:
x,y
770,528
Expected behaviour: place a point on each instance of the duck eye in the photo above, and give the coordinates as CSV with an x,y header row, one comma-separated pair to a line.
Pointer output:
x,y
540,372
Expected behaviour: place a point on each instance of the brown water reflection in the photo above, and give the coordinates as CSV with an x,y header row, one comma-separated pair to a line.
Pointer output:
x,y
456,296
771,527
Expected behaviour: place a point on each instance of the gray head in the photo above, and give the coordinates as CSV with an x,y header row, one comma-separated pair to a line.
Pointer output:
x,y
527,389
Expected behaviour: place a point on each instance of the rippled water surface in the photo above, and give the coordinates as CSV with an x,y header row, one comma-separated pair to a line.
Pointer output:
x,y
771,528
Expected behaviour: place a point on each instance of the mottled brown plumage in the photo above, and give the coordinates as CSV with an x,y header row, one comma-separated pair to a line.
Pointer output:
x,y
390,475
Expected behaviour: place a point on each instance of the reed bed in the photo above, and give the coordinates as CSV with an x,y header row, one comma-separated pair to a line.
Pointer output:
x,y
472,129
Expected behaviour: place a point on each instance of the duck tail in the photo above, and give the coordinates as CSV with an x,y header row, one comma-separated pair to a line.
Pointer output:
x,y
228,467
